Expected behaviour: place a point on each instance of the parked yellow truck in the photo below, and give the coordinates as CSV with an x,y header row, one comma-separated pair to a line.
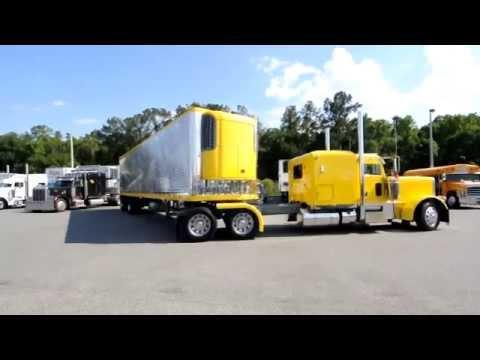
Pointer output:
x,y
202,167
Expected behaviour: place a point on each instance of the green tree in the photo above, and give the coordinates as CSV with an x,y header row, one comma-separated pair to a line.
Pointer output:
x,y
336,113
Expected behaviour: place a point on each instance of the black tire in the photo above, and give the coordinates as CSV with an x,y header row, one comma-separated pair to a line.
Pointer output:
x,y
198,224
3,204
452,201
133,207
61,205
241,224
123,206
425,217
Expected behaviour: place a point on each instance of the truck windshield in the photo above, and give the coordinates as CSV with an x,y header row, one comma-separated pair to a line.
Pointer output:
x,y
5,185
464,177
62,183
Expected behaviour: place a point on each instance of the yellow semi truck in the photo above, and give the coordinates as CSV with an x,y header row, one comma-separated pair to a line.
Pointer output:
x,y
327,187
202,167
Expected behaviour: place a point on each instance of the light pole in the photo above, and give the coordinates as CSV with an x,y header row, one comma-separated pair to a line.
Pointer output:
x,y
71,151
327,138
395,166
431,137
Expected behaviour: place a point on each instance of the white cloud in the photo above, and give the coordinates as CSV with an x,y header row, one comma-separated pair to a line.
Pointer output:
x,y
85,121
58,103
451,84
269,64
272,117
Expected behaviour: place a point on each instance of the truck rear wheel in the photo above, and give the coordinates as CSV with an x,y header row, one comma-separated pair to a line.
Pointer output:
x,y
3,204
241,224
60,205
133,207
428,216
197,224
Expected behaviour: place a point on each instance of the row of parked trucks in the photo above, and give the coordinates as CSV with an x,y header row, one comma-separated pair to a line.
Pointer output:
x,y
61,188
202,167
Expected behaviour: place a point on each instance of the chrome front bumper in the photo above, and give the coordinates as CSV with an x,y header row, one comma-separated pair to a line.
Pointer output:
x,y
469,200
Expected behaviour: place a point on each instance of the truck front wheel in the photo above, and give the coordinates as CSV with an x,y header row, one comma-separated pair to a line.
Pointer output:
x,y
428,217
196,225
241,224
3,204
60,205
452,201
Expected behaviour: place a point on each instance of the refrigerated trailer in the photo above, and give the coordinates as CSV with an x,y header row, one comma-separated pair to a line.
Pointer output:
x,y
202,167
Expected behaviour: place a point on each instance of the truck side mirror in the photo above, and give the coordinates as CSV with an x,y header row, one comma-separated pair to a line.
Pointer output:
x,y
378,189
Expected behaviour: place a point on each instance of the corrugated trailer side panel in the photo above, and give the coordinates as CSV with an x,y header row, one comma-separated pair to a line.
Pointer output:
x,y
167,162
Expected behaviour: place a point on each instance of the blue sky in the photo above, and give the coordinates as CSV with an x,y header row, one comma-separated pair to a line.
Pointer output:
x,y
76,88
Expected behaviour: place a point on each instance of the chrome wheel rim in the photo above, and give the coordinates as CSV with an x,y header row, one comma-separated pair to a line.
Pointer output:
x,y
199,225
2,204
61,206
431,216
243,223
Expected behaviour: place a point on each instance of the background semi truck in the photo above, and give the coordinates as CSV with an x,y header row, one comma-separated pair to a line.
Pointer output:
x,y
283,178
459,183
202,167
14,188
83,186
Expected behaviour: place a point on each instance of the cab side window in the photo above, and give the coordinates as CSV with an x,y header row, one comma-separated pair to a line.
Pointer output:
x,y
297,171
373,169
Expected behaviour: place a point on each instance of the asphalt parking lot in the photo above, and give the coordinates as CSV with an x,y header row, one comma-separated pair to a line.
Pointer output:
x,y
103,261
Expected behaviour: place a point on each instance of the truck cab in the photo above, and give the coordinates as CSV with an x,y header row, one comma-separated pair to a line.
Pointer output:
x,y
76,189
13,189
459,183
327,186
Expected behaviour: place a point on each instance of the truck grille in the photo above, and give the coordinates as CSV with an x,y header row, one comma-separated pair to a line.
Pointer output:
x,y
38,194
474,191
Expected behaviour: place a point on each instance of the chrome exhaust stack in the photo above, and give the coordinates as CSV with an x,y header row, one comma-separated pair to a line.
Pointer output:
x,y
361,162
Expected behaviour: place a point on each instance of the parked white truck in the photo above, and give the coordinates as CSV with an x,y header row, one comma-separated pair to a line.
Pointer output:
x,y
14,188
283,178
